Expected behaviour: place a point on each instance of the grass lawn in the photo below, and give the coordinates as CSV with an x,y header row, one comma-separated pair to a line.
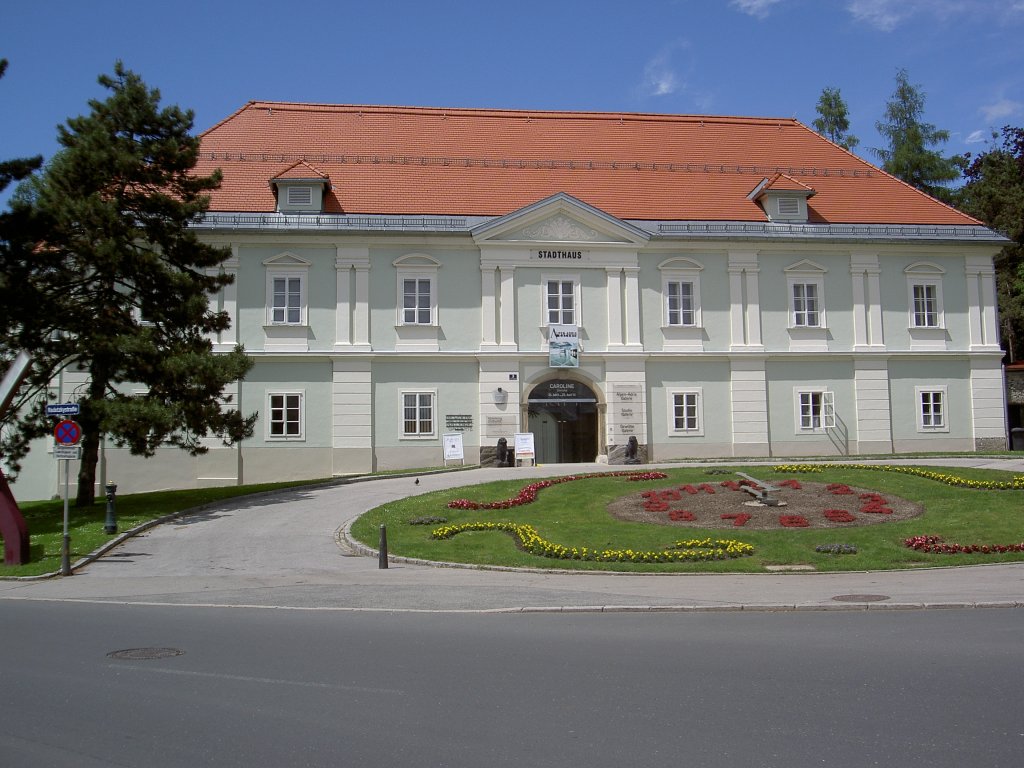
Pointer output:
x,y
574,514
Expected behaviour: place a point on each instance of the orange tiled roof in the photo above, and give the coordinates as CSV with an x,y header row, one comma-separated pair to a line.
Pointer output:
x,y
414,160
785,183
300,170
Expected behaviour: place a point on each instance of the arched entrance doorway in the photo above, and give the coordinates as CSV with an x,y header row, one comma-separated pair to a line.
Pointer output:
x,y
562,415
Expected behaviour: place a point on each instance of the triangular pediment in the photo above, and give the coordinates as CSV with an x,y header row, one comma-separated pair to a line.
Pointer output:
x,y
286,260
560,219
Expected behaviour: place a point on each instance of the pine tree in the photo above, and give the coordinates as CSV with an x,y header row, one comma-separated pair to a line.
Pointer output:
x,y
126,282
833,120
908,156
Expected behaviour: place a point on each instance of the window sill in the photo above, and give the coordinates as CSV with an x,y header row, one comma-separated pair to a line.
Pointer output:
x,y
417,338
804,338
683,338
286,338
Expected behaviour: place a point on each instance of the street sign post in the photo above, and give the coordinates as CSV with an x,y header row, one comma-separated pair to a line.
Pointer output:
x,y
66,435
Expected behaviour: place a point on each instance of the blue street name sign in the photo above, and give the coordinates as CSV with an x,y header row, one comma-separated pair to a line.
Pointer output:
x,y
63,409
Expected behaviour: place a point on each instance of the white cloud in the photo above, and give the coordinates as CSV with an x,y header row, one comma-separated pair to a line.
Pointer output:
x,y
1001,109
758,8
661,76
886,15
976,137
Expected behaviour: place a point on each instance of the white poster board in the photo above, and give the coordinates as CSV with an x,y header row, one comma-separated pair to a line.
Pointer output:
x,y
524,447
452,447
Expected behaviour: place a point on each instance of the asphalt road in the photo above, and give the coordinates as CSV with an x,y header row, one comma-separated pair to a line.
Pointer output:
x,y
283,688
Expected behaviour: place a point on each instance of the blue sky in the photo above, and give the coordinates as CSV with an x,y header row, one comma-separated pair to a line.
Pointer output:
x,y
738,57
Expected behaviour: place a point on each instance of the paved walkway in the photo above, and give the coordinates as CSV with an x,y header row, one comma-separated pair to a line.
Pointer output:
x,y
288,551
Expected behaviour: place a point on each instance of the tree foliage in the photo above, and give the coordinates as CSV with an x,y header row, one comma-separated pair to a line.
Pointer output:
x,y
833,121
107,278
994,193
909,155
18,168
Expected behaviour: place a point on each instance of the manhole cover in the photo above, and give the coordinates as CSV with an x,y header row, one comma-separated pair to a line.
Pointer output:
x,y
145,654
860,598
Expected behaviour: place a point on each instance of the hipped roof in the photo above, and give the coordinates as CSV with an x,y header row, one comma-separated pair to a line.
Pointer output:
x,y
478,162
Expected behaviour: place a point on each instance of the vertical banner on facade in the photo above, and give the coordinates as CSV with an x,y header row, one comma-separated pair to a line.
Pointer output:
x,y
563,346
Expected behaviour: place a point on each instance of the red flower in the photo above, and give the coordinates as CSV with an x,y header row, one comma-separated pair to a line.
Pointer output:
x,y
738,519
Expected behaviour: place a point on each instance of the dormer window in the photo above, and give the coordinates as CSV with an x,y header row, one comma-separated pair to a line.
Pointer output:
x,y
301,188
782,198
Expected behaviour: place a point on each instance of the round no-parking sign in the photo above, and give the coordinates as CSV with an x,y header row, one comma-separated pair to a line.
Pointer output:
x,y
67,432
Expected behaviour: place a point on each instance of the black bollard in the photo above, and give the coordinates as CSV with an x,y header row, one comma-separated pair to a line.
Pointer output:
x,y
382,550
110,525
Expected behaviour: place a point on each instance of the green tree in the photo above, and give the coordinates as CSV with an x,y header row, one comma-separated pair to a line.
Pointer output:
x,y
118,285
17,169
833,121
994,193
909,156
11,231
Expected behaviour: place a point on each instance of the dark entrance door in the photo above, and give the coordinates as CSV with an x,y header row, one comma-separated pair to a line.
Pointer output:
x,y
563,419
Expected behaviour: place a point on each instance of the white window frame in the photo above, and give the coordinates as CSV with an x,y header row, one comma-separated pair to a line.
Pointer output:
x,y
692,398
288,266
272,308
924,397
924,305
676,317
814,409
800,313
424,308
561,279
418,267
679,271
925,276
418,394
799,276
284,406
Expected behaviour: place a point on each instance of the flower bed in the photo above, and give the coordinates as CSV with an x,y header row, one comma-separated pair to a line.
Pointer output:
x,y
727,505
936,545
529,540
1016,484
528,494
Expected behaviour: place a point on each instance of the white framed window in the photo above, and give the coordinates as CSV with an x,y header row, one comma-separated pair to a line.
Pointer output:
x,y
287,298
924,290
680,285
417,290
286,416
806,304
417,307
299,196
680,305
925,312
806,281
418,414
686,415
931,409
561,300
815,410
287,290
